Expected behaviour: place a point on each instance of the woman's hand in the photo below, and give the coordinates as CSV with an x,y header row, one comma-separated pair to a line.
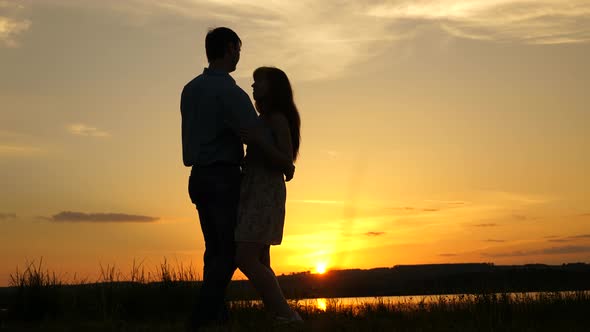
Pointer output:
x,y
289,173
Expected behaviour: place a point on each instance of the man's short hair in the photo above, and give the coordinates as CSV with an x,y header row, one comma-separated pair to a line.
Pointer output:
x,y
217,40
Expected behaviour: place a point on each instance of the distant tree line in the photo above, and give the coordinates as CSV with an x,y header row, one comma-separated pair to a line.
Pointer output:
x,y
429,280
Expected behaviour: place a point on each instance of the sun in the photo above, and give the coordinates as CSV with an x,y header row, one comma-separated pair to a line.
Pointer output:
x,y
321,268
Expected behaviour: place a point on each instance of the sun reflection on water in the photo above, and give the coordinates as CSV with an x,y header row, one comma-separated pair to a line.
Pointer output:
x,y
321,304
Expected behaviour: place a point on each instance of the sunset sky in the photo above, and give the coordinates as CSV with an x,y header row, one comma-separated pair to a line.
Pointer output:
x,y
432,131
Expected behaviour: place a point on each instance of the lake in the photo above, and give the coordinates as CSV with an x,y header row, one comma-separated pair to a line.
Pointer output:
x,y
324,304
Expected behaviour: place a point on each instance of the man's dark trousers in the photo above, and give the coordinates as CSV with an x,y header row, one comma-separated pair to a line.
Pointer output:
x,y
215,191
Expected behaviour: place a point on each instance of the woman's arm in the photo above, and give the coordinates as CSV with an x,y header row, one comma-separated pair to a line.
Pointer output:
x,y
281,154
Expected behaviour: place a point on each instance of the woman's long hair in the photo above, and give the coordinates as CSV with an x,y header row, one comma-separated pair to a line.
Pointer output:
x,y
280,99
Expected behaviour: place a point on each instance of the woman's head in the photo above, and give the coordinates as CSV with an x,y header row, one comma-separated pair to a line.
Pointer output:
x,y
272,93
271,87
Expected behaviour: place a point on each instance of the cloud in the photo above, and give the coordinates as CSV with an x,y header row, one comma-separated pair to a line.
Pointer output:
x,y
12,134
18,150
520,217
411,208
486,225
446,202
309,39
5,216
404,208
494,240
13,23
569,238
558,240
18,144
313,40
526,21
566,250
84,130
447,255
516,253
374,233
546,251
69,216
316,201
332,154
582,236
584,215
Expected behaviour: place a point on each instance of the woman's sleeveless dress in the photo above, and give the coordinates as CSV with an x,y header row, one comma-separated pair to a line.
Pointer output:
x,y
261,212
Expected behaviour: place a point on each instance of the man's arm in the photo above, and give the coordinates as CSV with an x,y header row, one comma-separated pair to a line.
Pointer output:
x,y
238,110
189,151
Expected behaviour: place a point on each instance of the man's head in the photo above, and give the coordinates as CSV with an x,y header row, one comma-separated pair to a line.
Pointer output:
x,y
223,45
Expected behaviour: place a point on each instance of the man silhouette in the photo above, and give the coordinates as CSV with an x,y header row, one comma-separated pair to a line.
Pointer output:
x,y
213,110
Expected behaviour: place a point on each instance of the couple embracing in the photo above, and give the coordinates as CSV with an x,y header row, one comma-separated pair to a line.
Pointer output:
x,y
240,200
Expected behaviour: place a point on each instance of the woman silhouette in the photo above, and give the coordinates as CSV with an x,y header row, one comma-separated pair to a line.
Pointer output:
x,y
272,149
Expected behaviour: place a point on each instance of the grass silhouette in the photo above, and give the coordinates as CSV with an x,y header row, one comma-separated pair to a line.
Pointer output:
x,y
161,300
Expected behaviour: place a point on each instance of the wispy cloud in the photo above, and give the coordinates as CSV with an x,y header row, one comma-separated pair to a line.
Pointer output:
x,y
69,216
566,250
332,153
81,129
12,134
316,201
414,209
582,236
13,22
6,216
309,39
447,255
558,240
374,233
403,208
18,150
451,203
486,225
546,251
495,240
527,21
568,238
314,40
17,144
520,217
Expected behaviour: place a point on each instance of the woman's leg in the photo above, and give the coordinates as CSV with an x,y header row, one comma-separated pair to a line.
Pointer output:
x,y
265,256
248,259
